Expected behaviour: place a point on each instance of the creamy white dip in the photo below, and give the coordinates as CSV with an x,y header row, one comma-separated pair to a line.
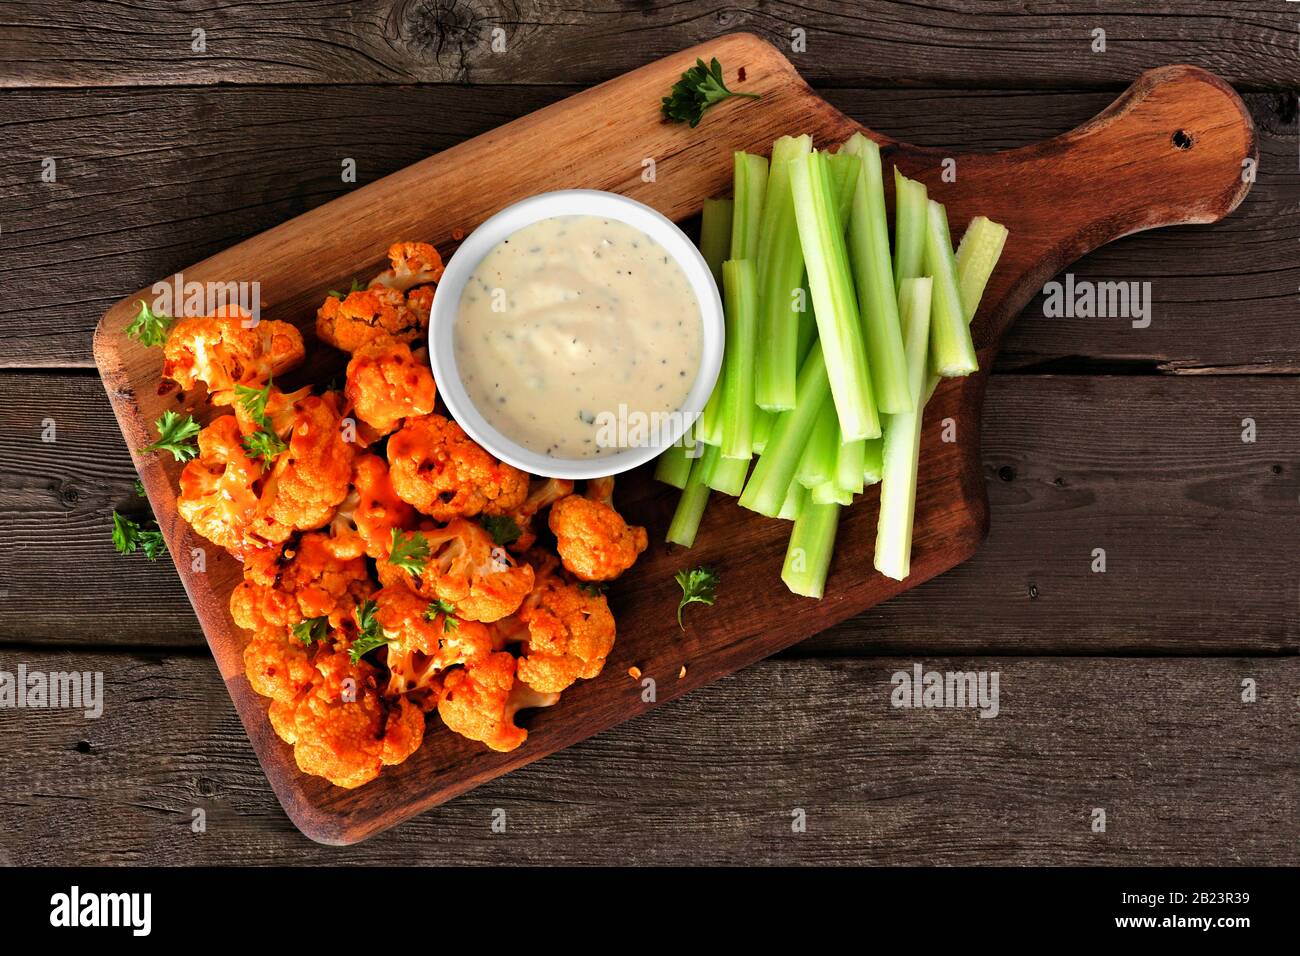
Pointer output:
x,y
567,320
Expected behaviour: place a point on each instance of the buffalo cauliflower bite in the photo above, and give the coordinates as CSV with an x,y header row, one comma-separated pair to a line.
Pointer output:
x,y
220,492
340,727
386,383
464,568
365,520
412,264
570,632
221,352
593,540
480,700
277,665
542,494
366,314
311,582
437,468
423,641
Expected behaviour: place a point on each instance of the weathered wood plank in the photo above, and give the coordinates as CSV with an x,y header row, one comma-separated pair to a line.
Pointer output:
x,y
1197,526
961,43
1186,773
150,181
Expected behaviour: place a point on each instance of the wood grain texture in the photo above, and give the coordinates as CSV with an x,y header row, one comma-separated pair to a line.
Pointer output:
x,y
1197,526
1004,43
152,180
1060,199
1187,774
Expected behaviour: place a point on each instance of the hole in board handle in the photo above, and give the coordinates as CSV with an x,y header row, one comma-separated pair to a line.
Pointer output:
x,y
1182,139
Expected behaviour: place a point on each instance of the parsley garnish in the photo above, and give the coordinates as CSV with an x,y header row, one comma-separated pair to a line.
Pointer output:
x,y
139,489
699,88
149,327
356,287
129,537
409,552
698,585
503,528
263,444
174,434
311,630
254,401
448,611
371,636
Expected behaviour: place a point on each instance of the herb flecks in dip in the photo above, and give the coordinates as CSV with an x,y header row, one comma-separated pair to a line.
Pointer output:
x,y
567,320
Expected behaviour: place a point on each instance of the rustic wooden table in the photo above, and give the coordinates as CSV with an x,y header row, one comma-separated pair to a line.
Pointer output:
x,y
179,128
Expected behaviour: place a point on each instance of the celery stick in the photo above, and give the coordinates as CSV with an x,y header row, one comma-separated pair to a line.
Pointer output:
x,y
767,487
740,282
844,171
727,475
977,254
692,502
873,461
834,301
850,464
808,557
830,493
874,279
674,465
910,200
715,235
795,499
780,274
817,463
902,439
763,422
952,353
747,210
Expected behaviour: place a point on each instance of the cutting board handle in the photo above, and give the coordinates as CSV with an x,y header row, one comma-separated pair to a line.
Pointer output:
x,y
1177,147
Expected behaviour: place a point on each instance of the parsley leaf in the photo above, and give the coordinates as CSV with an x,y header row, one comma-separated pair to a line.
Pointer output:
x,y
503,528
174,434
129,537
371,636
409,552
698,585
139,489
149,327
311,630
253,401
699,88
449,620
263,444
356,287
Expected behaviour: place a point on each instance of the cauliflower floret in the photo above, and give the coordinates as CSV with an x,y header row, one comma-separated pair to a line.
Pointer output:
x,y
386,383
465,569
221,352
367,314
570,633
542,493
340,727
423,642
593,540
311,582
480,700
277,666
365,520
413,263
311,478
220,492
437,468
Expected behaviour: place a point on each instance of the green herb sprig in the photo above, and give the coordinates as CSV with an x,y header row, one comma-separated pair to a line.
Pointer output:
x,y
699,88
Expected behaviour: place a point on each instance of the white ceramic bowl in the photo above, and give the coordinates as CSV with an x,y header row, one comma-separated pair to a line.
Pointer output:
x,y
570,202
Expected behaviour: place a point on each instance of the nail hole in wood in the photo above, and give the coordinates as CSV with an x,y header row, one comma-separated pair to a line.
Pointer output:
x,y
1182,139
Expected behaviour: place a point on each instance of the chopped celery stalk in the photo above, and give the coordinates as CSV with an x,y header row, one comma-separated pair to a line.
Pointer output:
x,y
873,461
977,254
747,210
952,353
795,499
740,281
850,464
674,464
727,475
808,557
834,301
910,200
873,277
709,427
780,275
807,326
844,172
902,439
817,463
763,422
692,502
830,493
767,487
715,235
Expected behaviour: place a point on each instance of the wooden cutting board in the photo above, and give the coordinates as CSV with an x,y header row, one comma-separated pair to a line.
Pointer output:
x,y
1172,149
